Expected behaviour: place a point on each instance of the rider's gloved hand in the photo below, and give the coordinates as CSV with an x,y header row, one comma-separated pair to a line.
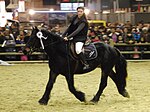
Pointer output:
x,y
66,38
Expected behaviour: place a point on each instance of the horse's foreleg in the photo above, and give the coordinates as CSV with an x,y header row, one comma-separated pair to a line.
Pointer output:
x,y
46,95
102,86
78,94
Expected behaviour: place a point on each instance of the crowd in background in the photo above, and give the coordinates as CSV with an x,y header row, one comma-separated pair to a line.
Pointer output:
x,y
113,32
10,35
14,33
121,33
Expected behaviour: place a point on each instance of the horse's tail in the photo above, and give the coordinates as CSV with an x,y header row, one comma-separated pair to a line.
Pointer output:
x,y
121,70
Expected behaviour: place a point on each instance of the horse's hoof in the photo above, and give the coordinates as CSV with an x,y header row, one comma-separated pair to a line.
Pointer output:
x,y
91,103
83,99
43,102
94,100
126,94
81,96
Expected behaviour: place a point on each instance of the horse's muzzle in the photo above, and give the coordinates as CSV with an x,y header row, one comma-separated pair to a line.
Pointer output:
x,y
27,51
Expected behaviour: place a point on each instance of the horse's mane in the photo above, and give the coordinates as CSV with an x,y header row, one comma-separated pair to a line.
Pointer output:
x,y
61,44
53,35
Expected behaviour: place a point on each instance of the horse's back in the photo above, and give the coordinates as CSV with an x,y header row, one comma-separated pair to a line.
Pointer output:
x,y
106,52
102,48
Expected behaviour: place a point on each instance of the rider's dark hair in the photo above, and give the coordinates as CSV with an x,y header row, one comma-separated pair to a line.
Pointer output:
x,y
80,8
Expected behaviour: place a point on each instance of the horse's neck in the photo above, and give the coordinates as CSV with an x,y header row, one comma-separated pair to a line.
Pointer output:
x,y
57,49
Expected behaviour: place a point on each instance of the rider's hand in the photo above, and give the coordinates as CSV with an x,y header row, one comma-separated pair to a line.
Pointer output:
x,y
65,38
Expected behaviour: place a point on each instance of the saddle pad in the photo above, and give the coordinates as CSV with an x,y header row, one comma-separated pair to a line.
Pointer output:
x,y
89,51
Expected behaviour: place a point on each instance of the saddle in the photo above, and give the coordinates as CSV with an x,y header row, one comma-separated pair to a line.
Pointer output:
x,y
89,51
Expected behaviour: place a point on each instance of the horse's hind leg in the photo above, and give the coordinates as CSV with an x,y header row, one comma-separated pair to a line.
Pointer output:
x,y
46,95
121,89
102,86
78,94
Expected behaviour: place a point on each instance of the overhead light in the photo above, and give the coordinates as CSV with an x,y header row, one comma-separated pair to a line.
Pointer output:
x,y
31,12
95,13
120,12
32,21
106,12
51,9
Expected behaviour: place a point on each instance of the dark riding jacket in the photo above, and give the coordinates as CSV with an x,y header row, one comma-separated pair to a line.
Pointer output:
x,y
77,30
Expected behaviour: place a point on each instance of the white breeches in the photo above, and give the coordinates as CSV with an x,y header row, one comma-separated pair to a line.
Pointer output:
x,y
78,47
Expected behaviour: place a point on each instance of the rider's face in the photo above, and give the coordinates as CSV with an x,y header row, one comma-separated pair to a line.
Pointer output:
x,y
80,12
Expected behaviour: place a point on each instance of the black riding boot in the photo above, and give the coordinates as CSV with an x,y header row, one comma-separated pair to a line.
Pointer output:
x,y
84,62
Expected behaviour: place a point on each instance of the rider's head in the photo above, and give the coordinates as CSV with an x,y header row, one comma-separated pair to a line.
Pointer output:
x,y
80,11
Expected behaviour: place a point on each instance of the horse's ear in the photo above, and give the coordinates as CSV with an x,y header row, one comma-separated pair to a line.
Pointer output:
x,y
34,28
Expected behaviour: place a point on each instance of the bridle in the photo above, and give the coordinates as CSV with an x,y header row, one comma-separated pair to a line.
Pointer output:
x,y
39,34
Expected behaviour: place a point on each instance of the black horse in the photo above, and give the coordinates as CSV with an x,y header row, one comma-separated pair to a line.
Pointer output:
x,y
61,62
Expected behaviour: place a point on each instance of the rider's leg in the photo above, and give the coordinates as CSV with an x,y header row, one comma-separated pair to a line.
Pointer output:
x,y
78,48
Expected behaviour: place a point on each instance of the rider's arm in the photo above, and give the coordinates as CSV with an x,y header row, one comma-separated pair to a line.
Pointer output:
x,y
80,27
66,31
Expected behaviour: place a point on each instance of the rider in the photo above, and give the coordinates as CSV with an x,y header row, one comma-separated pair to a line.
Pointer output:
x,y
77,32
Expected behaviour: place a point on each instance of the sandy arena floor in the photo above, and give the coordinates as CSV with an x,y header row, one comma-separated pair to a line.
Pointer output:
x,y
22,85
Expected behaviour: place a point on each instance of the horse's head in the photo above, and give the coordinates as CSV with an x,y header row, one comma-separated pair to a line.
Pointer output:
x,y
35,41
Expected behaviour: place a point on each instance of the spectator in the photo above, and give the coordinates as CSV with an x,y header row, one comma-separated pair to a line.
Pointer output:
x,y
96,30
140,26
129,38
120,39
10,41
95,39
136,35
56,30
125,32
8,35
15,29
106,39
145,35
2,36
91,33
114,35
102,32
120,36
20,37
